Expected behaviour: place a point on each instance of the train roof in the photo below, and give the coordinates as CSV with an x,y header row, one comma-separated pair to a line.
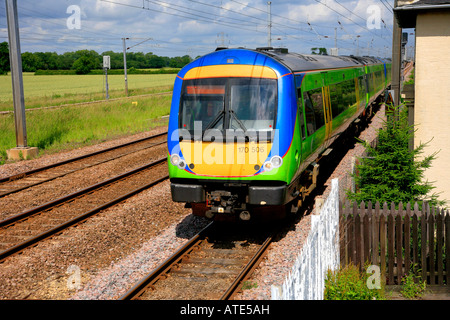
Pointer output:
x,y
300,62
303,62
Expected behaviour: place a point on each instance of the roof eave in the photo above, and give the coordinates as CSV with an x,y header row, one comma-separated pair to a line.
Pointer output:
x,y
406,15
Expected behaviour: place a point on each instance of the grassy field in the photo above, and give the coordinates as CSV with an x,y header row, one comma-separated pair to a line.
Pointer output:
x,y
69,127
41,91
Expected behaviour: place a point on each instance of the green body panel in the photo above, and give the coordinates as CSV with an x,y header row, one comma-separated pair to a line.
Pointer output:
x,y
314,80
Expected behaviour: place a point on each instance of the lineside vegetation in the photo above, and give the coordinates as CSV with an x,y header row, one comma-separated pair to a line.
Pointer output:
x,y
70,127
392,172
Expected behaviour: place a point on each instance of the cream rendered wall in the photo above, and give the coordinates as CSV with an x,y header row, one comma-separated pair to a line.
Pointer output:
x,y
432,95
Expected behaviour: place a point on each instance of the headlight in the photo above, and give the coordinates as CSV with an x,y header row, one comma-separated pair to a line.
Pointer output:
x,y
274,162
268,166
177,161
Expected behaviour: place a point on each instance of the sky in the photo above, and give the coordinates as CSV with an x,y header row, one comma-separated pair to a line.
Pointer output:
x,y
196,27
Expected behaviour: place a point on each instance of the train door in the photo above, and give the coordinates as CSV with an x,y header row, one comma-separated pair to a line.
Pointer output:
x,y
326,106
301,117
327,110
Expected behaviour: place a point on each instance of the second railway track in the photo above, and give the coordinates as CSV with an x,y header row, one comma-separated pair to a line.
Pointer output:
x,y
27,179
27,228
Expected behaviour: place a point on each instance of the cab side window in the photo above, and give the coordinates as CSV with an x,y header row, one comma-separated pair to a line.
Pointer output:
x,y
300,113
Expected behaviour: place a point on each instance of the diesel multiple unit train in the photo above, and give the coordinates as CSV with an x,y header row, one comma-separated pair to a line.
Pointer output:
x,y
247,127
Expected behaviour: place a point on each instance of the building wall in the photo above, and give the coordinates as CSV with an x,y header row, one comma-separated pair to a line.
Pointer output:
x,y
432,95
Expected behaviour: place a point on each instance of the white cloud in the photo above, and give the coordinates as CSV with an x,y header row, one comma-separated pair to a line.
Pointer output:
x,y
312,13
197,23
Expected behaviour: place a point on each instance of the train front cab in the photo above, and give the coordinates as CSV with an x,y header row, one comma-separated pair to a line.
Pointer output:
x,y
231,132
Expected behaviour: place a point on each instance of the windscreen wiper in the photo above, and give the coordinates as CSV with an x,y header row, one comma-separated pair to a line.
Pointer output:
x,y
238,121
215,120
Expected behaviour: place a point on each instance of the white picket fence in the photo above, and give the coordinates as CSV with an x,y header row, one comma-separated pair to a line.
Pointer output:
x,y
320,253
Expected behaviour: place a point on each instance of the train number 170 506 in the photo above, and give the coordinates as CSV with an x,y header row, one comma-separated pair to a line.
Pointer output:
x,y
253,149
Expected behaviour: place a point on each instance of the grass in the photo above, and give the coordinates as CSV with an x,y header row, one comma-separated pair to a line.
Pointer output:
x,y
69,127
348,283
412,284
42,91
411,77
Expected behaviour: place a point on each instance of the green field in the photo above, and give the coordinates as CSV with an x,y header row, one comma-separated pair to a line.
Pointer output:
x,y
68,127
46,90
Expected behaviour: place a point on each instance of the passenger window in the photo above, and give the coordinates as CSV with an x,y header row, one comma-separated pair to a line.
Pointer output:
x,y
362,91
314,114
343,96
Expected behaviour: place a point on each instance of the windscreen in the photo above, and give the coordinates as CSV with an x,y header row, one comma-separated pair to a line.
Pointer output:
x,y
252,104
203,101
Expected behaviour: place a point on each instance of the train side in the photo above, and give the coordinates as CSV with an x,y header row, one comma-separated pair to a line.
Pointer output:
x,y
246,126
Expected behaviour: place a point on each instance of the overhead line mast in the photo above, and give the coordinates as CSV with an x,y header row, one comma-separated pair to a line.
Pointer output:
x,y
125,64
22,150
269,35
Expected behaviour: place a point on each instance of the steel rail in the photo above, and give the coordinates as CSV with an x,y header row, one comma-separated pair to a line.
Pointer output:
x,y
138,289
44,235
164,267
249,268
57,164
35,210
33,184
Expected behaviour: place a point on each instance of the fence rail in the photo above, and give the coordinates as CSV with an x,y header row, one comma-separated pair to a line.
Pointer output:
x,y
397,239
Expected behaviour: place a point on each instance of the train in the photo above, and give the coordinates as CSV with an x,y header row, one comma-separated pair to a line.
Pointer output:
x,y
248,127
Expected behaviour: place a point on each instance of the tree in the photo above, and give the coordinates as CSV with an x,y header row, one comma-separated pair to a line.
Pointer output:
x,y
155,61
322,51
4,58
391,172
84,64
29,62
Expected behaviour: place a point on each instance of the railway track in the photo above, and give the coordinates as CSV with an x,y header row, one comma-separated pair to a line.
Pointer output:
x,y
29,227
212,265
24,180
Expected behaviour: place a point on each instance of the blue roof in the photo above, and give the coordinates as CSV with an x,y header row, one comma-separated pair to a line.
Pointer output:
x,y
275,58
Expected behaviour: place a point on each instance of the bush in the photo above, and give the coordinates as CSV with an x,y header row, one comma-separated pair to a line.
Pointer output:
x,y
391,172
53,72
412,284
349,284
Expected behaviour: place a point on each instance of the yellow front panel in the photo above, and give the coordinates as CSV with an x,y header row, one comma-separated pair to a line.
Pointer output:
x,y
231,70
235,159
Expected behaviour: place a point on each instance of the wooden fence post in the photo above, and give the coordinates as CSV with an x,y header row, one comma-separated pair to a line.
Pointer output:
x,y
391,245
399,241
367,237
382,237
423,241
431,251
415,227
407,239
358,239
